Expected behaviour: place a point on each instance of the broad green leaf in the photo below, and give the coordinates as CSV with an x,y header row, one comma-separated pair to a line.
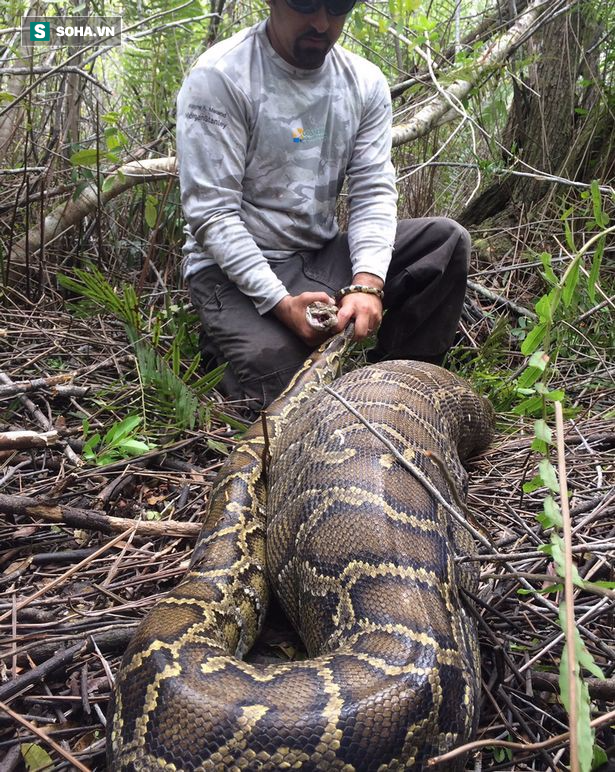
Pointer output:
x,y
545,258
551,516
88,448
543,309
85,157
115,138
122,429
539,446
107,458
134,447
540,360
534,338
542,431
529,406
533,485
109,182
151,213
536,366
597,204
79,188
527,379
559,559
547,473
600,758
570,285
35,757
557,395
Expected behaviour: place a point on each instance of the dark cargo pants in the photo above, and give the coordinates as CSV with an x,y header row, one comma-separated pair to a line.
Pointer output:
x,y
423,297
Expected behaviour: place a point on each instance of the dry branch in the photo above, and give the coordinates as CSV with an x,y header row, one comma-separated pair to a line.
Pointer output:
x,y
22,387
550,743
71,212
599,688
493,56
40,419
21,440
94,521
60,660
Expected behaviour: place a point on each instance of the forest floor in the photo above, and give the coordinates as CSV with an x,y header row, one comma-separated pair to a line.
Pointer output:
x,y
88,546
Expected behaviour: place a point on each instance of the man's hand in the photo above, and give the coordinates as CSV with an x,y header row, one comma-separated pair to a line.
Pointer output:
x,y
366,310
291,312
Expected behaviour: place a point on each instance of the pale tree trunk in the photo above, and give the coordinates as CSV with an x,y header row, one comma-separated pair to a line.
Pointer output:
x,y
12,121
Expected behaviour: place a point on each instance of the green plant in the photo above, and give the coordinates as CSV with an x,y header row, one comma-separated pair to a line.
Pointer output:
x,y
120,441
173,395
552,523
541,347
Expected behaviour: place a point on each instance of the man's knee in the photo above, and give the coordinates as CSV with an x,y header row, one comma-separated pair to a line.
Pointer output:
x,y
429,249
460,255
437,231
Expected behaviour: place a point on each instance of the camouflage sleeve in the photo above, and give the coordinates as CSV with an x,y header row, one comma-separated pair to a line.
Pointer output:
x,y
212,138
371,187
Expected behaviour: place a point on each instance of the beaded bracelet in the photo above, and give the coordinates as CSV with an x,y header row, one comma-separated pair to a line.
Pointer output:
x,y
358,288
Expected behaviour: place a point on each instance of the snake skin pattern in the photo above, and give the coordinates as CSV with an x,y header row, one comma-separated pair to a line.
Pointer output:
x,y
360,557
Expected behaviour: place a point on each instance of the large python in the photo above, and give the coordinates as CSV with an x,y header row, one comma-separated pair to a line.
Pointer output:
x,y
360,556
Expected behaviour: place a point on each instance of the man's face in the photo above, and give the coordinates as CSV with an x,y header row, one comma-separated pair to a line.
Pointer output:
x,y
302,39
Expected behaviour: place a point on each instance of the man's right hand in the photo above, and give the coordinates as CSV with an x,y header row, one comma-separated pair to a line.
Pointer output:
x,y
291,312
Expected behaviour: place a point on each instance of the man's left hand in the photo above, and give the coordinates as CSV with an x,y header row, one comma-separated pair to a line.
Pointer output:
x,y
365,309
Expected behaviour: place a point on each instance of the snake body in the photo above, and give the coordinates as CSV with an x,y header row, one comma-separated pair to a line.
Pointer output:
x,y
361,559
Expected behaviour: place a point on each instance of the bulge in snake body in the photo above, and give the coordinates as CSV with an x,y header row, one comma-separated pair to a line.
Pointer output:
x,y
361,559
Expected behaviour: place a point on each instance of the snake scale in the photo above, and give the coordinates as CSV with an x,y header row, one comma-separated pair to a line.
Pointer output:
x,y
361,559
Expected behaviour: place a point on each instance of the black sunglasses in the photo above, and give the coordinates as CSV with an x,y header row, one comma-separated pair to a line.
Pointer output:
x,y
334,7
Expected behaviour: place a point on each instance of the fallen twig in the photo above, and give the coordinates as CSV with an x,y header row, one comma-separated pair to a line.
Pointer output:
x,y
41,420
599,688
93,520
66,574
550,743
45,738
501,300
36,384
60,660
21,440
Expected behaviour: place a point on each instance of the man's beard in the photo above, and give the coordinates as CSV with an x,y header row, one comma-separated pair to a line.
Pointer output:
x,y
310,55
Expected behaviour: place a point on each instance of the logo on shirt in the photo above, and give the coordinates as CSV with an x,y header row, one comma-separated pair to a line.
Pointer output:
x,y
299,134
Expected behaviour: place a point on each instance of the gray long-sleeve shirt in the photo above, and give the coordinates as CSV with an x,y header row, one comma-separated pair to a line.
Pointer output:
x,y
263,150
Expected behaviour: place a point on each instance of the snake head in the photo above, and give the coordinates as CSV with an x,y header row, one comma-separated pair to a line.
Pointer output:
x,y
321,316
